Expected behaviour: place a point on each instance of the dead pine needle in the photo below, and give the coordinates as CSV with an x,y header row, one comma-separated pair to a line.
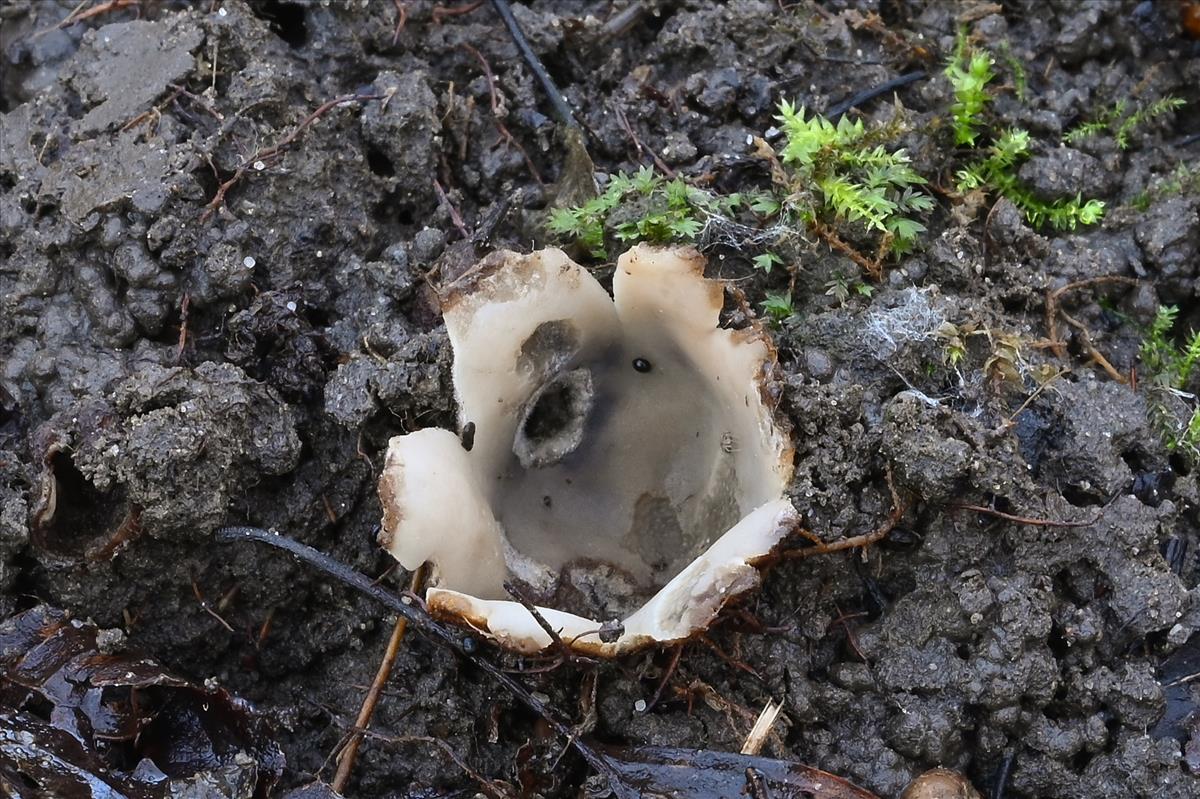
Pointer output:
x,y
349,752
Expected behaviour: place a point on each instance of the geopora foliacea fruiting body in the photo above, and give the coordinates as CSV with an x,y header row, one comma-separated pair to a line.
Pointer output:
x,y
626,455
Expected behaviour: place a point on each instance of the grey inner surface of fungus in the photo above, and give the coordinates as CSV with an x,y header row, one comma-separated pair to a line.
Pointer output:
x,y
616,464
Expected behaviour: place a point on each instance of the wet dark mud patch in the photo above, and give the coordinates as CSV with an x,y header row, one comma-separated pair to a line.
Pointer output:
x,y
250,368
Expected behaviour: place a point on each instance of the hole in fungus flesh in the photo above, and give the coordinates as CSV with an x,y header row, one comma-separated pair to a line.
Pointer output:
x,y
647,494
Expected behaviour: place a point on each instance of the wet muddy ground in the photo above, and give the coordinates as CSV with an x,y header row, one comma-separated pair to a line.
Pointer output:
x,y
198,328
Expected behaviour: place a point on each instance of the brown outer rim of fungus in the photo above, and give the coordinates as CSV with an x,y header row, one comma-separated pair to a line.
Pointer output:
x,y
391,515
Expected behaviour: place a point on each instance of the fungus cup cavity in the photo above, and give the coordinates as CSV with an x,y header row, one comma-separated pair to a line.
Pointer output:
x,y
627,469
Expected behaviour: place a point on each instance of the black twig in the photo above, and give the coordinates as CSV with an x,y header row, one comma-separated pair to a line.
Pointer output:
x,y
564,651
426,625
1002,773
561,109
870,94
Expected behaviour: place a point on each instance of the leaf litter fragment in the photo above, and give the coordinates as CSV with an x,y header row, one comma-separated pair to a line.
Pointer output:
x,y
79,723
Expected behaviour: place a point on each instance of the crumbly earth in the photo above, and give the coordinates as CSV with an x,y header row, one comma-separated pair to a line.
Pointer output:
x,y
180,354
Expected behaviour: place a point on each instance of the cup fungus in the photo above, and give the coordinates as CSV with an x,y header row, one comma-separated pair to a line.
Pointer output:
x,y
624,452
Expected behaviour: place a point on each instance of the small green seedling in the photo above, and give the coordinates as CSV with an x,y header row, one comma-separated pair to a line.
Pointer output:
x,y
1016,69
1120,122
856,179
841,287
778,307
1170,369
997,171
1183,179
766,261
658,211
969,75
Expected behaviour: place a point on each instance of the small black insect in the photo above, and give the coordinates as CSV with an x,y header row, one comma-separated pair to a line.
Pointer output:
x,y
468,436
642,365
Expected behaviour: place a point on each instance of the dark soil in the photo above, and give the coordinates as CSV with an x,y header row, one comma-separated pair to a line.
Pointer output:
x,y
172,369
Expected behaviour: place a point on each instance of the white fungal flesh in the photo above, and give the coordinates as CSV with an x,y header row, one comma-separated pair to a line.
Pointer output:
x,y
603,434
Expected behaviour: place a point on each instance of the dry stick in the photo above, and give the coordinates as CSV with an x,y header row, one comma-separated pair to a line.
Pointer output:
x,y
835,242
441,12
1057,345
730,660
350,751
1091,348
455,216
564,651
155,111
277,149
494,99
1029,400
561,109
666,678
183,326
206,607
112,5
421,621
866,539
637,143
1025,519
401,18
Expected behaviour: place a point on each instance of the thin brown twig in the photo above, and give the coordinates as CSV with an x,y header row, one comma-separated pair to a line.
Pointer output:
x,y
110,5
725,656
1095,354
672,665
207,608
1054,309
1033,396
265,629
198,100
637,143
401,19
844,620
267,154
350,751
899,508
835,242
156,111
1009,517
455,216
494,98
183,326
441,12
